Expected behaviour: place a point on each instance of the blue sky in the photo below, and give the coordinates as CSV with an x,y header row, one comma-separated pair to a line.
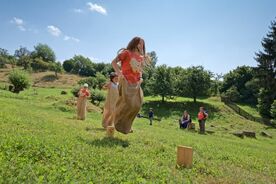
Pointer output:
x,y
218,34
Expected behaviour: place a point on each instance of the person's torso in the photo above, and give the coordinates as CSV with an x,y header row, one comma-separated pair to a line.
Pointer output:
x,y
201,115
131,63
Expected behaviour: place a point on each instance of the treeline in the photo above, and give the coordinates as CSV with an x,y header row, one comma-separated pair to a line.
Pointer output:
x,y
254,85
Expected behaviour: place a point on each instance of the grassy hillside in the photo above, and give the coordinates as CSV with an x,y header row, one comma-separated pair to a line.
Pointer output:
x,y
45,79
41,142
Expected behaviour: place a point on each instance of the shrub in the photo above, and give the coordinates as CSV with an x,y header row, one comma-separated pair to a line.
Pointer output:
x,y
97,96
20,80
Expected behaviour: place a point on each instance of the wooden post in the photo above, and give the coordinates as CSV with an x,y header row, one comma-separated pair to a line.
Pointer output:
x,y
184,156
110,131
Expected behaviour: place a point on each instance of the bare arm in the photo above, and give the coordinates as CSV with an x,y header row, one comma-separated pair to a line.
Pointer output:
x,y
115,66
106,86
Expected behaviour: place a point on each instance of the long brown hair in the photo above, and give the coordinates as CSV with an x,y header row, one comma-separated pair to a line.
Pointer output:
x,y
132,45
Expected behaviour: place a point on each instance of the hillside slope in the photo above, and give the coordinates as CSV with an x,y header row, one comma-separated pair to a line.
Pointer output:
x,y
40,141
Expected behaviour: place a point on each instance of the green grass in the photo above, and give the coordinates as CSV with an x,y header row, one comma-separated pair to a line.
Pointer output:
x,y
41,142
251,109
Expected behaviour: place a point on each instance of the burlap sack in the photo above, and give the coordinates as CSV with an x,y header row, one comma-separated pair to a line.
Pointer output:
x,y
81,108
128,105
109,106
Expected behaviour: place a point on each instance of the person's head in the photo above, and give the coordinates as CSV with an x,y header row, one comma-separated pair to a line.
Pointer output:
x,y
201,109
85,85
113,77
137,44
185,113
150,109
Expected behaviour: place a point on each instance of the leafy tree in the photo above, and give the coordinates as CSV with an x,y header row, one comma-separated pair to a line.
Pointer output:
x,y
83,66
68,65
240,78
216,83
57,68
232,94
196,82
23,56
266,71
264,103
148,72
100,80
20,80
161,82
44,52
39,65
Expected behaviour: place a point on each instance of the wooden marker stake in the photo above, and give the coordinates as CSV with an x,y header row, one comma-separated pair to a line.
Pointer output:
x,y
184,156
110,131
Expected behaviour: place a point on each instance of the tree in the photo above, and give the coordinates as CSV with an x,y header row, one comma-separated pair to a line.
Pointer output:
x,y
240,79
68,65
216,83
161,82
266,71
196,82
264,104
83,66
148,72
23,56
20,80
273,112
57,68
39,65
45,52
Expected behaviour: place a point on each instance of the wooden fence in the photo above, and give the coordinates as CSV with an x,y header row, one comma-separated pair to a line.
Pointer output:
x,y
243,113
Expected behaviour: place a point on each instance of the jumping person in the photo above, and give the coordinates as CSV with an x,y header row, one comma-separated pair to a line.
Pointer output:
x,y
81,103
132,60
111,99
202,116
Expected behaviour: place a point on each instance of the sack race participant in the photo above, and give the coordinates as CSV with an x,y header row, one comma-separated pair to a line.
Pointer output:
x,y
132,60
111,99
83,94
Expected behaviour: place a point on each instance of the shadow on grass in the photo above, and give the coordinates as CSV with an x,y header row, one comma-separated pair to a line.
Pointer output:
x,y
105,142
168,109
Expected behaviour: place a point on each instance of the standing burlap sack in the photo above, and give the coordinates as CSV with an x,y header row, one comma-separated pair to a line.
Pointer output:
x,y
109,106
128,105
81,108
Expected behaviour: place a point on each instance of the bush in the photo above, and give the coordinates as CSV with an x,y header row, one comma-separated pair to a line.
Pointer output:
x,y
75,91
97,96
232,93
68,65
20,80
91,81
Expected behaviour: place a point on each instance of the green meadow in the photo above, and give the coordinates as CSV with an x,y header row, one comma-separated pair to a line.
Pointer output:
x,y
42,142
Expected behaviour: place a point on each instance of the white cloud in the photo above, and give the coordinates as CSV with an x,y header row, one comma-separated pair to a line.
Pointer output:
x,y
68,38
97,8
53,30
19,23
78,10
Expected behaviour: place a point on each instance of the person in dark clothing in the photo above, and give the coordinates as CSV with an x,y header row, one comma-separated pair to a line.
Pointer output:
x,y
185,120
151,114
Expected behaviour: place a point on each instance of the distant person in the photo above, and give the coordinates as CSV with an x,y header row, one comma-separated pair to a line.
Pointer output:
x,y
83,94
185,120
202,116
111,99
151,115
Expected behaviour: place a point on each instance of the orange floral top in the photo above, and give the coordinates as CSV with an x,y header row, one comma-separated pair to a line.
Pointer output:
x,y
131,64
